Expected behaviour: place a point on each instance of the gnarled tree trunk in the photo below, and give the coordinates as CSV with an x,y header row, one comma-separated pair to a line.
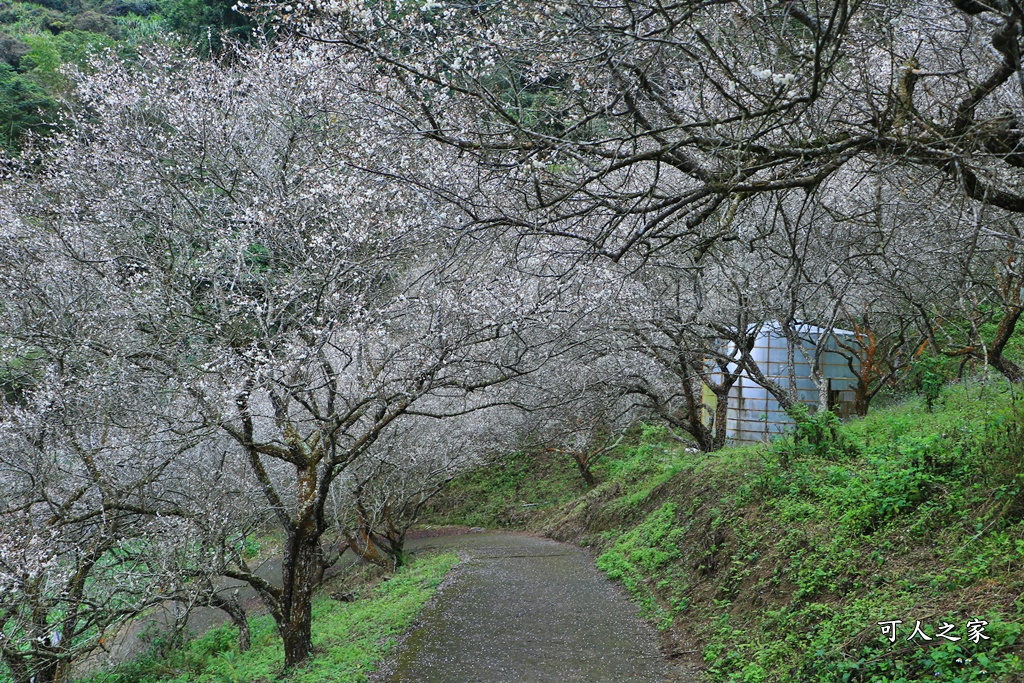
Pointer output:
x,y
302,570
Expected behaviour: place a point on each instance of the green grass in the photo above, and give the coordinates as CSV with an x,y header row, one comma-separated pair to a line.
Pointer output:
x,y
507,494
349,639
778,560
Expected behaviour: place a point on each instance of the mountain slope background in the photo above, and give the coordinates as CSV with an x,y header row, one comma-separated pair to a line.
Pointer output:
x,y
39,40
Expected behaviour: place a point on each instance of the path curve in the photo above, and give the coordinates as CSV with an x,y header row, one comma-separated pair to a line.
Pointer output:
x,y
522,609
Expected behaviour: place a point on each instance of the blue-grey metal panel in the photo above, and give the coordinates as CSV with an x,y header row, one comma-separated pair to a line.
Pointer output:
x,y
757,415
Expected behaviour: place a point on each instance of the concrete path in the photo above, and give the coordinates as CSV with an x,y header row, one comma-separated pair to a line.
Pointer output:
x,y
522,609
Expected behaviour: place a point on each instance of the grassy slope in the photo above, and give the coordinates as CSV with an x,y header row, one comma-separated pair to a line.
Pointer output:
x,y
776,562
349,639
507,494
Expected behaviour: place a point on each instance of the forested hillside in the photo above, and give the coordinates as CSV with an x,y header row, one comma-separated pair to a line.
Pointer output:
x,y
730,291
38,41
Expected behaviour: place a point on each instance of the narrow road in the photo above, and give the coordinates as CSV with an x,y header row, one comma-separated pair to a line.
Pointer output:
x,y
527,610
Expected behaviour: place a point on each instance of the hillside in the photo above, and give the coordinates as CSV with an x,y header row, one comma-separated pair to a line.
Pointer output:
x,y
775,563
38,39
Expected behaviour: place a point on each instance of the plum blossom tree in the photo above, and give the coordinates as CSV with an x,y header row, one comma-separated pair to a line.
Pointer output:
x,y
576,408
941,270
588,426
635,124
299,305
381,495
669,359
73,552
632,126
88,463
973,315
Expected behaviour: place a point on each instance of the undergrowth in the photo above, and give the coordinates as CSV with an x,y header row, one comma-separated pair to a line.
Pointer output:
x,y
349,638
777,561
506,494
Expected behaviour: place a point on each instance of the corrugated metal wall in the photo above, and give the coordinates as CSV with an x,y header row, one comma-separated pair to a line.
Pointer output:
x,y
755,415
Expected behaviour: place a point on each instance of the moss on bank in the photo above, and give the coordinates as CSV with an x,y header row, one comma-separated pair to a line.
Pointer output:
x,y
775,562
349,638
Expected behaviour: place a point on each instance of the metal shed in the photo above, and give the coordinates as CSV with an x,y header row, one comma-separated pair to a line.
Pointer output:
x,y
755,415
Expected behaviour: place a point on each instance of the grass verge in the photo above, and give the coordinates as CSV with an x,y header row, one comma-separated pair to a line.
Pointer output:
x,y
349,639
776,562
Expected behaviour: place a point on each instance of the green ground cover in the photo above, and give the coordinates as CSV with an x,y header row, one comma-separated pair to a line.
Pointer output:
x,y
507,494
775,562
349,638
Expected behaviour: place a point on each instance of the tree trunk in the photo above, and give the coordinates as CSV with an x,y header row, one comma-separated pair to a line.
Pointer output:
x,y
1008,368
244,637
695,412
301,571
583,465
233,608
721,420
704,437
298,640
823,393
862,398
399,556
395,537
1004,332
